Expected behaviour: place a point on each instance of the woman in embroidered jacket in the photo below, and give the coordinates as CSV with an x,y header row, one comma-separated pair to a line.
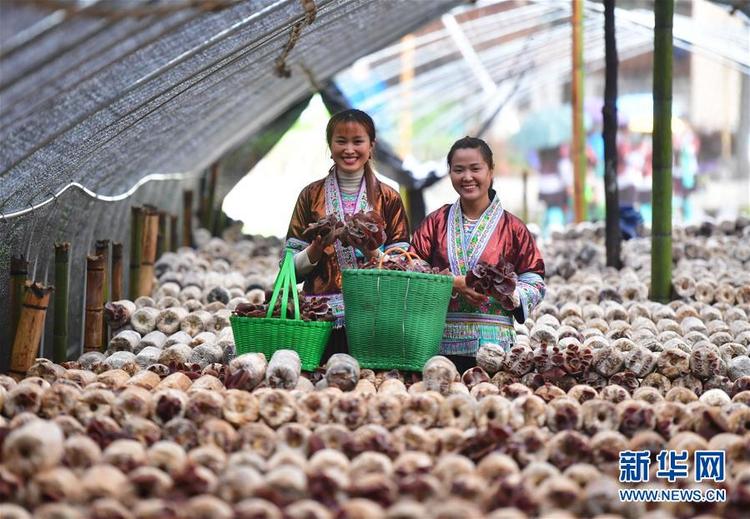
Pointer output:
x,y
349,187
474,228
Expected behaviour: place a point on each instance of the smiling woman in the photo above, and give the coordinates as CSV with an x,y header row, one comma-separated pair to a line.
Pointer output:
x,y
349,187
476,229
471,176
351,147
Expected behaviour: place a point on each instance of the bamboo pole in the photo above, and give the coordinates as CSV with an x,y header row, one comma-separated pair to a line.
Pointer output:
x,y
150,237
743,130
661,235
221,221
406,116
92,340
136,248
117,271
525,207
161,241
19,271
187,218
30,327
172,232
613,234
102,249
213,180
578,153
202,198
62,282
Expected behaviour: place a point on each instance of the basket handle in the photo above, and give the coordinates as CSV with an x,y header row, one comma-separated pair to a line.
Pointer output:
x,y
293,282
401,251
286,281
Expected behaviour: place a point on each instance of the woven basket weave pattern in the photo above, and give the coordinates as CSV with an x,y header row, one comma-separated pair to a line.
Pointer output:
x,y
394,319
268,334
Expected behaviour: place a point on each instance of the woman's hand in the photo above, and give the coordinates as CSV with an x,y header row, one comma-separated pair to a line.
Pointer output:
x,y
512,302
315,249
369,254
472,296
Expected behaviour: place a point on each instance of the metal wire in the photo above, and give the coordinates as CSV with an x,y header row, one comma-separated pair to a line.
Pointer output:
x,y
96,196
130,8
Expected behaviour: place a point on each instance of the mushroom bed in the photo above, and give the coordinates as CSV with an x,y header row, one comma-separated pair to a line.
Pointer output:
x,y
169,422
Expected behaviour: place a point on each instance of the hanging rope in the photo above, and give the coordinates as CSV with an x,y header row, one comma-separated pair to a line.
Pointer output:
x,y
311,10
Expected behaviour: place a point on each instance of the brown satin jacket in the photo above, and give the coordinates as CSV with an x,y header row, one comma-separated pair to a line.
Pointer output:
x,y
325,278
510,240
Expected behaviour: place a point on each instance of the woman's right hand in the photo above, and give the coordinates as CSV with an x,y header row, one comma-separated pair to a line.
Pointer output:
x,y
315,249
473,297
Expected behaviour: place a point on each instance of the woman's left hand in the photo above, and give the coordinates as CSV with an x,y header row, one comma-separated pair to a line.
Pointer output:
x,y
369,254
473,297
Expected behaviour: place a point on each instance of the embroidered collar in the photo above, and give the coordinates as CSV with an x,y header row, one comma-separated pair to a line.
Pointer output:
x,y
334,205
464,251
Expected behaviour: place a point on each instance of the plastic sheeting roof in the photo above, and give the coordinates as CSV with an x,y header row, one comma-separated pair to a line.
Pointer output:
x,y
107,101
104,101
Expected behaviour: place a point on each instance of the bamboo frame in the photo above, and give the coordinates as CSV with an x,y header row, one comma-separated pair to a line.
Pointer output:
x,y
211,216
613,235
187,218
661,234
202,200
92,340
173,233
102,249
117,271
161,241
62,283
525,206
150,238
19,271
30,327
136,248
578,153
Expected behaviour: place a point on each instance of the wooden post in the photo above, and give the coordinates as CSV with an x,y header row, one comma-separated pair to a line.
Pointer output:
x,y
30,327
136,248
92,340
613,236
661,228
117,271
213,179
161,241
62,282
102,249
578,153
173,242
19,271
150,237
187,218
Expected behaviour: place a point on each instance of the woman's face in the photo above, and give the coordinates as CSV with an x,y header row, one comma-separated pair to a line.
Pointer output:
x,y
350,147
470,174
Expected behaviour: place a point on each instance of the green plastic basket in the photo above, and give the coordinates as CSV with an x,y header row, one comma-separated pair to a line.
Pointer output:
x,y
268,334
394,319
